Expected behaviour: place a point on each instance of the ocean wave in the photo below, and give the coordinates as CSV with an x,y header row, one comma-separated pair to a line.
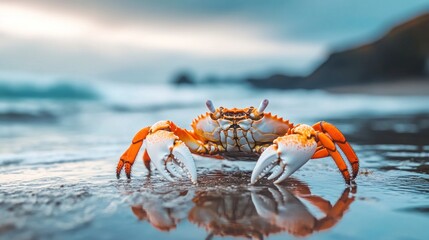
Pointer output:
x,y
56,90
16,116
28,110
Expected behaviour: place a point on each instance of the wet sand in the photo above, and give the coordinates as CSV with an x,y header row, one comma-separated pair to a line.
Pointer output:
x,y
84,200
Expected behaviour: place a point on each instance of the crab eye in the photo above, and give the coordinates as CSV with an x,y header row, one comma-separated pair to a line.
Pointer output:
x,y
263,105
210,106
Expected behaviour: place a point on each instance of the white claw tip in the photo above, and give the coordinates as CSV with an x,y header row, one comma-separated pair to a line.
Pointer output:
x,y
263,105
210,106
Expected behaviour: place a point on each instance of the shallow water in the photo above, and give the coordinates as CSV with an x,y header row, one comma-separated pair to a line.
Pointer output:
x,y
58,156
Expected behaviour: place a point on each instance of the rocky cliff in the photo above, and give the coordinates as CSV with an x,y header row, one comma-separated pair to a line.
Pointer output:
x,y
401,54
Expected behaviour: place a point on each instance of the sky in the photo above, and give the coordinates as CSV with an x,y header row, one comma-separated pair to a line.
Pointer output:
x,y
153,40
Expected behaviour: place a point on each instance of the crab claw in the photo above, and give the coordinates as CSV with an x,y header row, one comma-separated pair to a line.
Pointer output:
x,y
169,154
284,157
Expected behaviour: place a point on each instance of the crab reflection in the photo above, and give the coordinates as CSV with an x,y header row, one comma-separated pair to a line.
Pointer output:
x,y
245,212
164,210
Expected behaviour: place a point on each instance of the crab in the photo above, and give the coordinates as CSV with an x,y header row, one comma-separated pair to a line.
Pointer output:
x,y
279,146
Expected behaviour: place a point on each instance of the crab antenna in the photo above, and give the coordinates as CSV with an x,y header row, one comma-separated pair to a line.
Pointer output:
x,y
210,106
263,105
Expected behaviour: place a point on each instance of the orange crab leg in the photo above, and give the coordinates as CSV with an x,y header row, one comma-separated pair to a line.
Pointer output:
x,y
129,156
329,145
338,138
187,137
321,152
194,143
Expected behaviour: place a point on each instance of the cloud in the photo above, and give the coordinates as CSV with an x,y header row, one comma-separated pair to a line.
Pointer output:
x,y
153,39
208,39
